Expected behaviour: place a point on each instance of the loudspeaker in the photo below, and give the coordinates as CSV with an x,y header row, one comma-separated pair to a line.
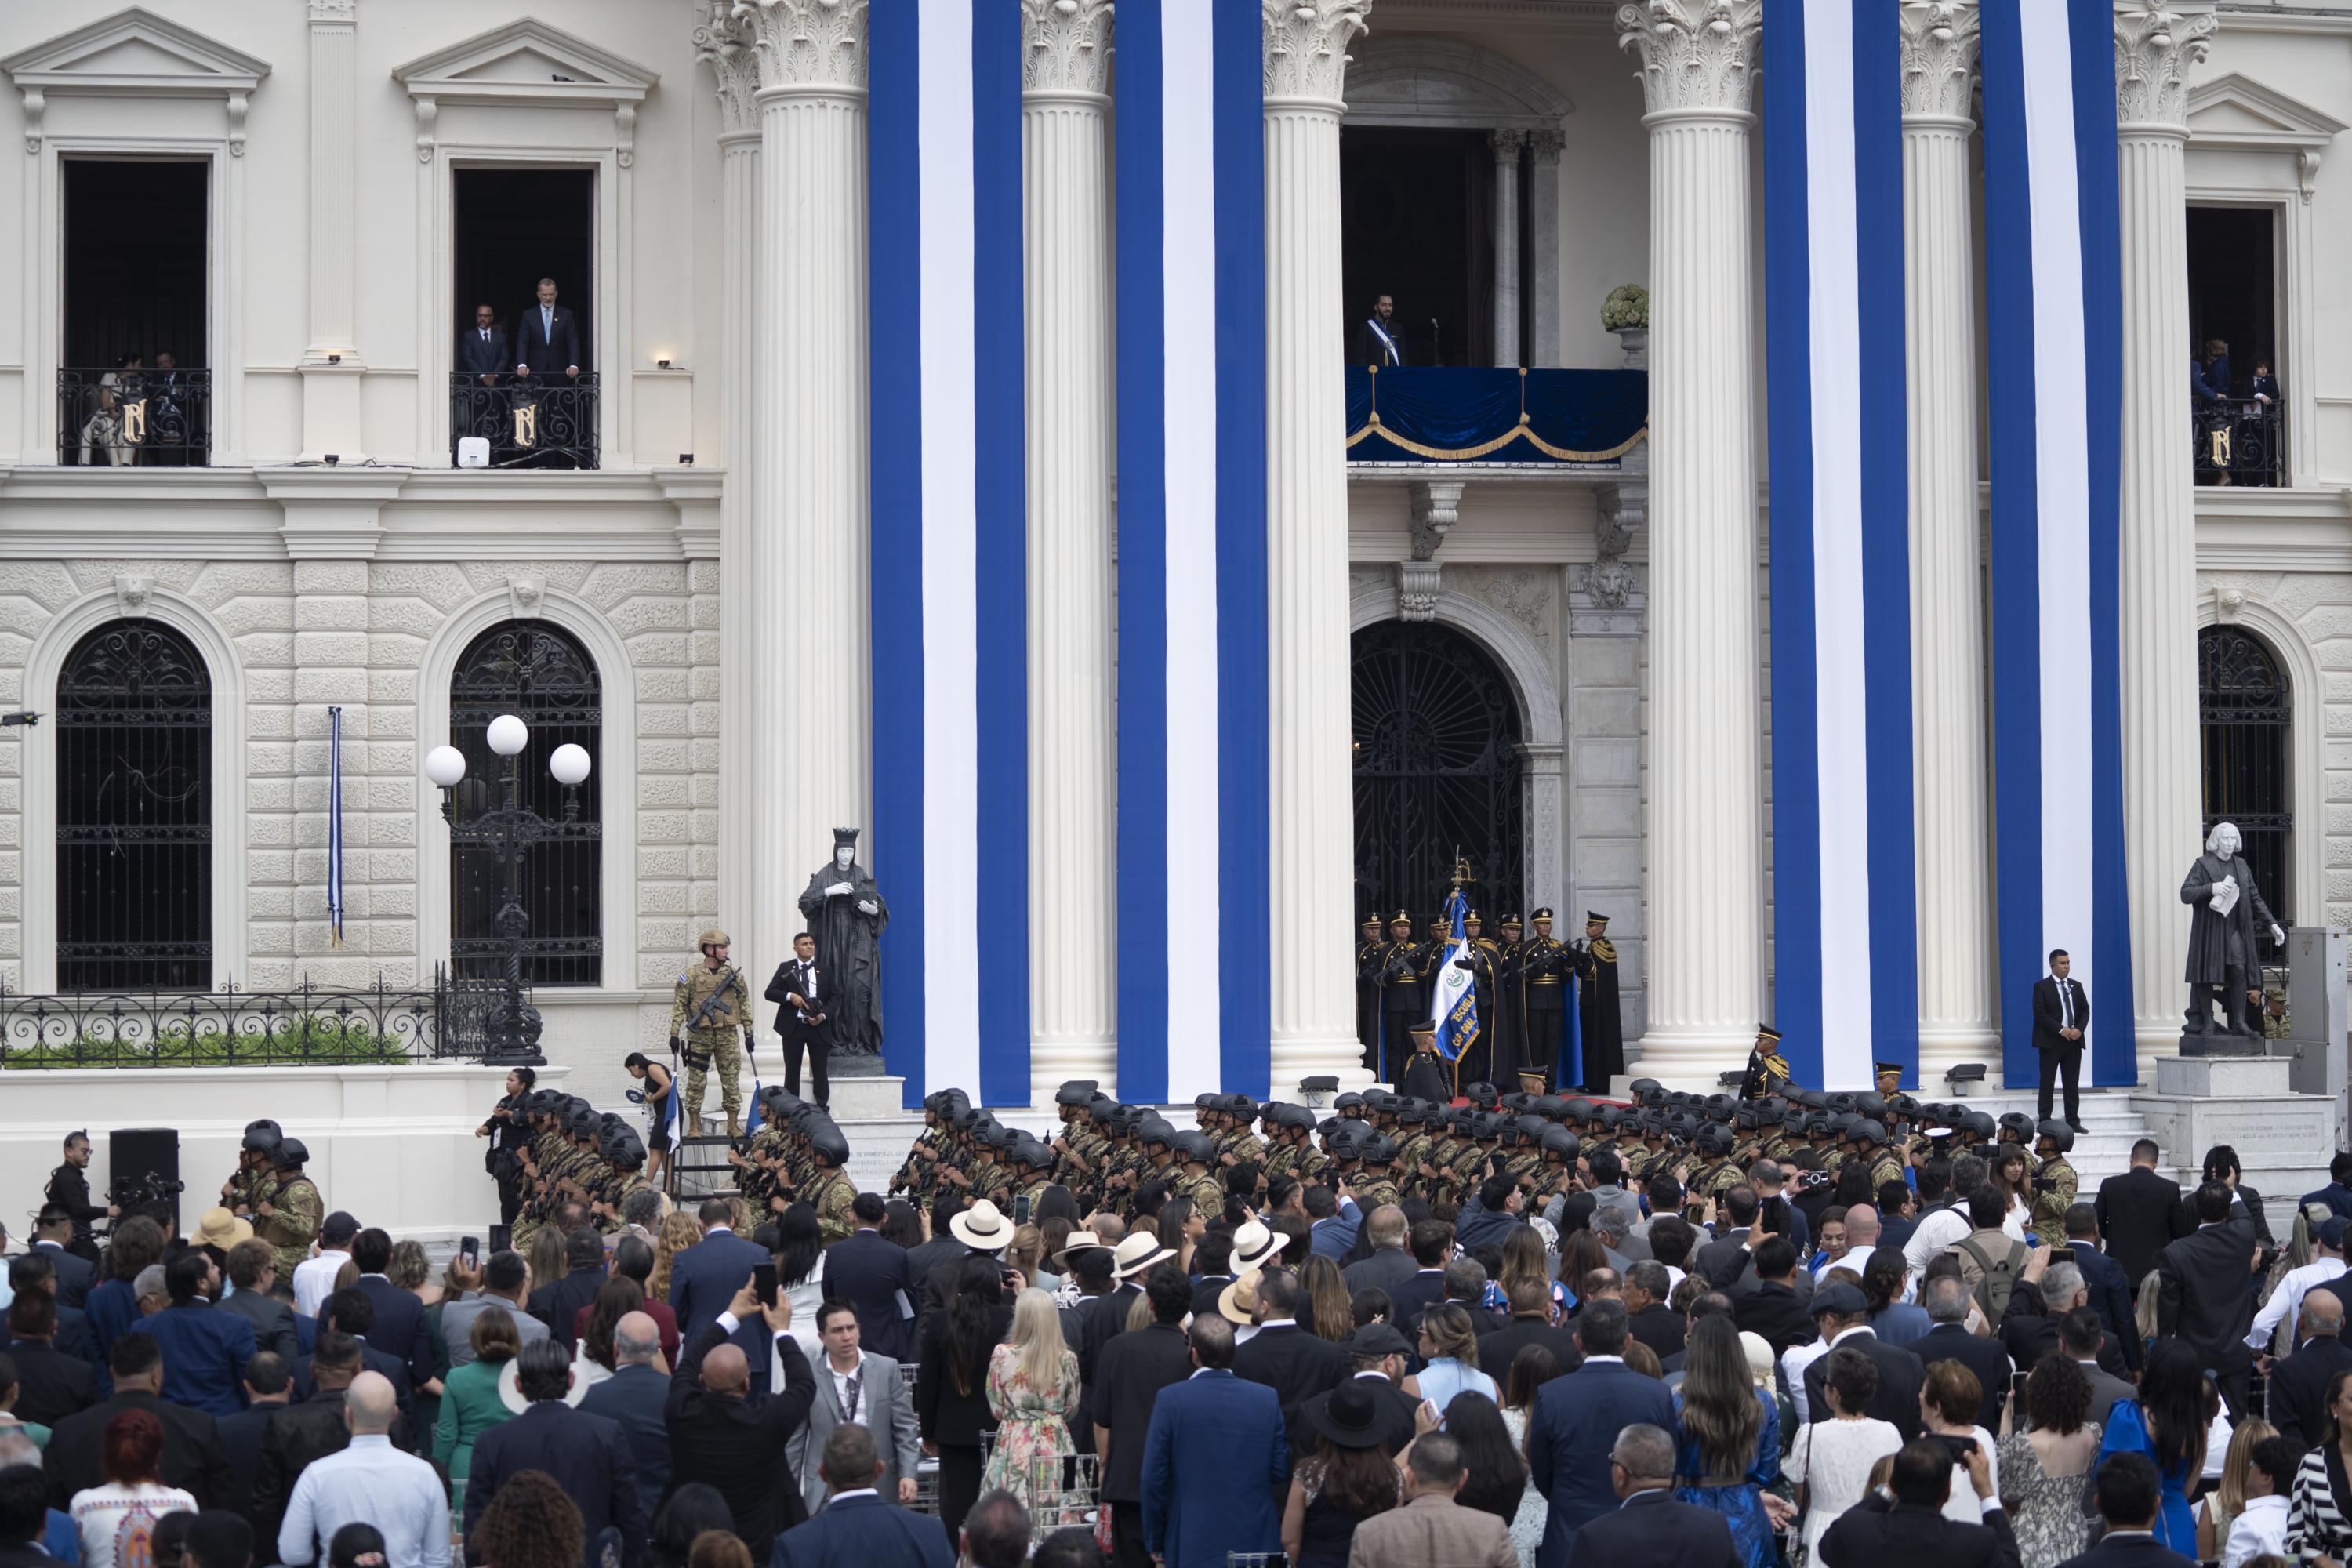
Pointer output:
x,y
146,1159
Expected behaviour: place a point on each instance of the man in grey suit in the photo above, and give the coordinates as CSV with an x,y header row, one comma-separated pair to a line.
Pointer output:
x,y
855,1387
252,1271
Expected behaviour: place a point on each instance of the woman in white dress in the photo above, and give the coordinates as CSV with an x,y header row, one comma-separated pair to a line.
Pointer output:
x,y
800,1279
1831,1462
1530,1370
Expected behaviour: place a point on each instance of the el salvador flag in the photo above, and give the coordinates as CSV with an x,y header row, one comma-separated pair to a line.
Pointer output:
x,y
1844,885
950,557
2054,320
1454,1000
1195,1006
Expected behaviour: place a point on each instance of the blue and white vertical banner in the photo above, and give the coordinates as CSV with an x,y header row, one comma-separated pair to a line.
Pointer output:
x,y
2054,326
1845,919
950,561
1454,999
335,826
1195,988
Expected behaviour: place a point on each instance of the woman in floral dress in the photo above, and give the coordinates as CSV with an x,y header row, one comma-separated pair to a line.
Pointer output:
x,y
1033,1388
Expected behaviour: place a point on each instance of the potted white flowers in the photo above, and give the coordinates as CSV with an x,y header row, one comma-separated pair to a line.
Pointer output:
x,y
1627,312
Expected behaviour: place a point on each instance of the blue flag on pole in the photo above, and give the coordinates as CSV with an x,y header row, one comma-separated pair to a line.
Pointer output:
x,y
1572,1040
1454,1003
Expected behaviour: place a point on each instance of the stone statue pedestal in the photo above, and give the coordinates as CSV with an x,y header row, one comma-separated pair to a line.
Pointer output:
x,y
2219,1045
853,1063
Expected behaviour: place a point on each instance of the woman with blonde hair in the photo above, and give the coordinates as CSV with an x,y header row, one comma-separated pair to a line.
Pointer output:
x,y
2220,1509
1449,1348
411,1271
1032,1387
677,1233
545,1257
1524,1257
1028,1249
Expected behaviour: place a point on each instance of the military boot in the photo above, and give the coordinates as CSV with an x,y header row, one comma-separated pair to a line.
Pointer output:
x,y
734,1125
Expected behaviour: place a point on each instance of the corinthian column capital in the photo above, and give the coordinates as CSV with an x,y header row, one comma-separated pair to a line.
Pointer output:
x,y
808,43
1939,58
725,40
2154,46
1066,47
1306,46
1696,55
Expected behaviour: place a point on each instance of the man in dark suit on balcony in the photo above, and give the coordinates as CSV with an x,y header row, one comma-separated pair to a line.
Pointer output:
x,y
483,358
1379,342
482,352
546,339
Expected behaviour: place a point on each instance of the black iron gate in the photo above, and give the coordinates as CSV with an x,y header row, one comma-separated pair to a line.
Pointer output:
x,y
1438,772
537,673
134,824
2244,710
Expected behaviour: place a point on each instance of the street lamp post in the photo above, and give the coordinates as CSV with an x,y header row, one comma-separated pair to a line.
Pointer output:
x,y
509,830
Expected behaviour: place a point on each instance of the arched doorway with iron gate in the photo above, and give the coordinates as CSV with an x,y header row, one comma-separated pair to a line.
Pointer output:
x,y
1439,772
2245,710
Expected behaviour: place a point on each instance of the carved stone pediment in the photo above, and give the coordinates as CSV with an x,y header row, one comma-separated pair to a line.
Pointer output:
x,y
527,62
135,51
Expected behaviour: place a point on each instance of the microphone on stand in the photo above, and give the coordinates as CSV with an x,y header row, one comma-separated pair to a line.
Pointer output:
x,y
1435,357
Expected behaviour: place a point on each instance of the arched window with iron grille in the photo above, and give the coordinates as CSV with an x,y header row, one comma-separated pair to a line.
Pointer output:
x,y
543,675
134,804
2245,708
1438,772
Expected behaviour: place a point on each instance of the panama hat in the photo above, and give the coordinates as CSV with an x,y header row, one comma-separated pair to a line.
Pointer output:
x,y
1237,1302
1079,1241
1255,1247
1137,1253
982,1228
220,1228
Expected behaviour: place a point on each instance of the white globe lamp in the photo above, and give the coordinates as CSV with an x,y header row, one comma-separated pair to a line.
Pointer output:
x,y
508,735
444,766
569,765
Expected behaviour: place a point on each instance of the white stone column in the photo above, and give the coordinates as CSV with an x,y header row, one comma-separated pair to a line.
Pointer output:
x,y
1311,881
1705,828
1948,641
331,363
1066,222
1543,247
2163,793
724,42
1506,145
811,741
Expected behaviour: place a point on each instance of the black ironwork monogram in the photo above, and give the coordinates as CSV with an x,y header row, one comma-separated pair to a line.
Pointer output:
x,y
536,672
134,812
2245,711
1437,770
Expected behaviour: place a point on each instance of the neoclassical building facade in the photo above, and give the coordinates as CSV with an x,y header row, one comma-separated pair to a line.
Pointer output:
x,y
304,201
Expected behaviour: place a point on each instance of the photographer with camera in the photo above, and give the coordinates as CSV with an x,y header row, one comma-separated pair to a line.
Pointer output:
x,y
68,1188
1911,1522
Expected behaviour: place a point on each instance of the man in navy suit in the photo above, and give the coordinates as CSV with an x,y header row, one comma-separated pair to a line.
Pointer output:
x,y
204,1349
546,341
2061,1010
877,1278
586,1454
858,1526
482,351
557,1302
1212,1460
704,1278
1649,1526
1575,1425
52,1229
634,1399
400,1328
2127,1499
1433,1248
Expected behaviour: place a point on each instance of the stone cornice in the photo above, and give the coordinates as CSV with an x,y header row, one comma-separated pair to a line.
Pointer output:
x,y
1939,58
1306,47
1698,56
723,40
1066,47
809,43
2154,46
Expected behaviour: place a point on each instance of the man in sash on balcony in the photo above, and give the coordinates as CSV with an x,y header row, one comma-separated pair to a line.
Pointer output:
x,y
1379,344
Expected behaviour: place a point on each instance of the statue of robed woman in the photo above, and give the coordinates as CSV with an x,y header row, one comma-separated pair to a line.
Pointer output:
x,y
847,915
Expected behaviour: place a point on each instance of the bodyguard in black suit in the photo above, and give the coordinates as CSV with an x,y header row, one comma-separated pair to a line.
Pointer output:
x,y
482,350
1650,1527
2140,1214
546,341
2062,1011
586,1455
802,991
878,1278
2205,1298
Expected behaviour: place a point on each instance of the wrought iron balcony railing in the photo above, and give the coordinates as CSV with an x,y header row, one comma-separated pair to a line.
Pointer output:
x,y
2239,443
545,420
307,1027
136,418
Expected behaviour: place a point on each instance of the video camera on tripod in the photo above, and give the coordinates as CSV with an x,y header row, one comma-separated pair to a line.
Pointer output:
x,y
150,1193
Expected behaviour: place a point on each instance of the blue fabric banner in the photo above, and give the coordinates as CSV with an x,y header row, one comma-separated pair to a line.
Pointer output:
x,y
1422,414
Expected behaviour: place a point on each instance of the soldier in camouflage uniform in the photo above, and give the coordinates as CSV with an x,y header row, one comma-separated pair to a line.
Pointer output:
x,y
244,1189
709,1014
1872,1148
1032,1172
624,1157
1188,1174
1374,1186
832,1190
1240,1145
290,1213
1073,1160
2055,1185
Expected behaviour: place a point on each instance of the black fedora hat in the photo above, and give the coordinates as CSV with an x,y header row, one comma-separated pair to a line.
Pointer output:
x,y
1349,1418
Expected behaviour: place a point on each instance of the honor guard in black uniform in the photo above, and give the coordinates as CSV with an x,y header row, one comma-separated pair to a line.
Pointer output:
x,y
1367,990
1404,964
1543,967
1602,1020
1768,1069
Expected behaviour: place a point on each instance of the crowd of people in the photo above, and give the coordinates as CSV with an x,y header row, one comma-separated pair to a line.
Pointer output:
x,y
1687,1332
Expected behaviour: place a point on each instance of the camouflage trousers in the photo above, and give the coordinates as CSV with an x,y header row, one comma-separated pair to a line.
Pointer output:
x,y
706,1048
